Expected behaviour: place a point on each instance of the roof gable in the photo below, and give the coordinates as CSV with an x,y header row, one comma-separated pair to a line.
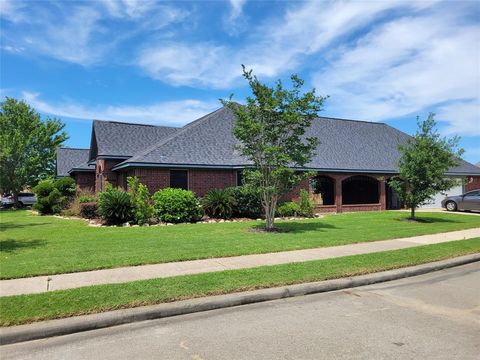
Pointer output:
x,y
117,139
71,158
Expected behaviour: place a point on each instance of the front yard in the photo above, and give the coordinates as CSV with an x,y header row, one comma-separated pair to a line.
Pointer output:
x,y
40,245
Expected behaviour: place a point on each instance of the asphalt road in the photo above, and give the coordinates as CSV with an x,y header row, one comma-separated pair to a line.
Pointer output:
x,y
433,316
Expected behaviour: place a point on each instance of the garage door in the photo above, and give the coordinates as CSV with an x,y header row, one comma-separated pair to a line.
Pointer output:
x,y
437,199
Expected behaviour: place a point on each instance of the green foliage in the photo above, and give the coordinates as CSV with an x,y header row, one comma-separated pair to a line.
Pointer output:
x,y
67,187
86,198
88,210
219,203
248,202
27,146
177,206
140,197
115,206
288,209
49,198
271,129
306,206
425,160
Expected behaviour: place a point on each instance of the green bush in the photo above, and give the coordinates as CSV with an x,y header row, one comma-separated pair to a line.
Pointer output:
x,y
140,197
115,206
67,186
88,210
219,203
49,198
288,209
86,198
248,203
176,206
306,206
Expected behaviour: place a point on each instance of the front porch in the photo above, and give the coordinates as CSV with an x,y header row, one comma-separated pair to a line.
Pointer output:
x,y
333,192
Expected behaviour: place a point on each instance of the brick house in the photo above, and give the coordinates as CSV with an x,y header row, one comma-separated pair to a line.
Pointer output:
x,y
354,160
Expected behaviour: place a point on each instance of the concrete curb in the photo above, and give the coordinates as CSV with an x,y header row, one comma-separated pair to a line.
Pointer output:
x,y
16,334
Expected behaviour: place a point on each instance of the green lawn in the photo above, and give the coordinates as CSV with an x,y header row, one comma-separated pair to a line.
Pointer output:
x,y
28,308
40,245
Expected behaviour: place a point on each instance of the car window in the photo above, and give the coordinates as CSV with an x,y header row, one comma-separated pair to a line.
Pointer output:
x,y
25,194
473,193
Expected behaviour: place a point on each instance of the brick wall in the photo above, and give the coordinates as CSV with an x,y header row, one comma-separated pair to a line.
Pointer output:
x,y
473,183
201,181
104,173
85,180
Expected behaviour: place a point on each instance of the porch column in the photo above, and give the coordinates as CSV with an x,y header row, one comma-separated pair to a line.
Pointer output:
x,y
338,192
382,192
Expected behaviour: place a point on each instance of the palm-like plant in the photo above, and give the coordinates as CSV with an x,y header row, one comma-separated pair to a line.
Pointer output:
x,y
219,203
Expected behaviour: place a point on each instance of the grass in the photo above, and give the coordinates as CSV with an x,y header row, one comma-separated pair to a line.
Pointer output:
x,y
22,309
41,245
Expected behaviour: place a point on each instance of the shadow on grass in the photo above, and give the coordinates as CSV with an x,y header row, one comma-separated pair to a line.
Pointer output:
x,y
4,226
11,246
429,220
294,227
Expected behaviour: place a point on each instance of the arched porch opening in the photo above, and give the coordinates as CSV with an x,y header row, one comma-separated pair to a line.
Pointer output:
x,y
360,189
323,190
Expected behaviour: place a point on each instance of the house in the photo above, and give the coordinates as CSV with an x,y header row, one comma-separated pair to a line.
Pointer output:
x,y
354,160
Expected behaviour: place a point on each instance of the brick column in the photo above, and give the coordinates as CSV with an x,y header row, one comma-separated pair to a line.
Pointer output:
x,y
338,192
382,192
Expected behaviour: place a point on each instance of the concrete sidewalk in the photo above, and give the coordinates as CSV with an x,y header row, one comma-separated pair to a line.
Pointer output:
x,y
40,284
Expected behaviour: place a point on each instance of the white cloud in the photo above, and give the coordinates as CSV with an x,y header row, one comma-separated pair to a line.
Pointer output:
x,y
407,65
173,113
235,23
82,33
271,49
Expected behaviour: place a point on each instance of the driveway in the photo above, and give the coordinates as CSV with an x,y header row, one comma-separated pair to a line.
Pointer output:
x,y
433,316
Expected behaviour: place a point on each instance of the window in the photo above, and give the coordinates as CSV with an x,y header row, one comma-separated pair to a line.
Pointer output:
x,y
179,179
239,177
473,193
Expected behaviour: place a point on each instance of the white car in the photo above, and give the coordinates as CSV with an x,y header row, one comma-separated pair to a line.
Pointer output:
x,y
24,199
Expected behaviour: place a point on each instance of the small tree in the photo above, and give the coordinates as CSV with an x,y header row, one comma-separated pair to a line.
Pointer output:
x,y
271,129
27,146
423,164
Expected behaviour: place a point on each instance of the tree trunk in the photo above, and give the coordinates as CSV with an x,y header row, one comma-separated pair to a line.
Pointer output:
x,y
270,203
412,213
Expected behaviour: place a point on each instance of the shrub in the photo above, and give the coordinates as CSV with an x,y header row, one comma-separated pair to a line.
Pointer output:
x,y
140,197
248,202
88,210
86,198
67,187
306,206
219,203
288,209
176,206
49,198
115,206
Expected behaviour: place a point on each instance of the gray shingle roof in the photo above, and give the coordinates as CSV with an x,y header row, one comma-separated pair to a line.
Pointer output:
x,y
69,158
345,145
117,139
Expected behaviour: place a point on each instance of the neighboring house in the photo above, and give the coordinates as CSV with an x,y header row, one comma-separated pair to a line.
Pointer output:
x,y
353,161
74,162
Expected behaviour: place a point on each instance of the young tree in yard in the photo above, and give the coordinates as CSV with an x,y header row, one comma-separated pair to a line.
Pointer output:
x,y
423,164
27,146
271,129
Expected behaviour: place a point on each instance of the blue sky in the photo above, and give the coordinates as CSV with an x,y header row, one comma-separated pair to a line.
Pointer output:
x,y
169,62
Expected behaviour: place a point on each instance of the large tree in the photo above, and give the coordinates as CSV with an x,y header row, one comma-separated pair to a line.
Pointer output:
x,y
425,159
271,129
27,146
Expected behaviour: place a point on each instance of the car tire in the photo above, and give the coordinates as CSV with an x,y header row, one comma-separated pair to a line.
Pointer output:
x,y
451,206
20,205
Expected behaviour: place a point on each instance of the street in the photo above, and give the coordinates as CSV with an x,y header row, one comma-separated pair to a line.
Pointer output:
x,y
433,316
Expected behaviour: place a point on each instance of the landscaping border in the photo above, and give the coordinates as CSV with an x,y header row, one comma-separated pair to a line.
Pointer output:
x,y
21,333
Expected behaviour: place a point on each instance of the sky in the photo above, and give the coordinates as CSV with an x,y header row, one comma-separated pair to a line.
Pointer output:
x,y
168,63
